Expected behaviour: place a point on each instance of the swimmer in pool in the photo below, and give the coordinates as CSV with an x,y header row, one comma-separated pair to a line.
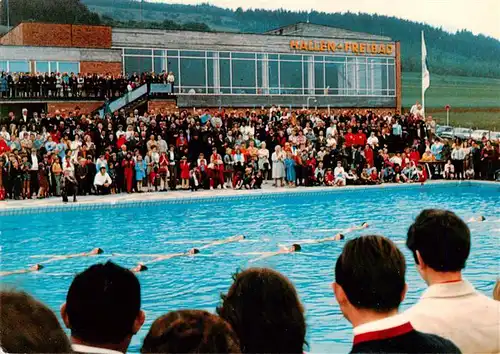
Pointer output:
x,y
31,269
191,252
478,219
141,267
339,236
283,250
94,252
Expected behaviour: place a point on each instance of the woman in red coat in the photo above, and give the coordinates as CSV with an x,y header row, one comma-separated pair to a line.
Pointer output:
x,y
184,173
369,155
128,172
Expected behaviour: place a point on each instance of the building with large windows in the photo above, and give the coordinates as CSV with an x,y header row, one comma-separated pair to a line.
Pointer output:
x,y
299,65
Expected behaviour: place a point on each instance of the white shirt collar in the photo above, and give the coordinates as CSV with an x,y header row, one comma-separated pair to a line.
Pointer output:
x,y
455,289
380,325
80,348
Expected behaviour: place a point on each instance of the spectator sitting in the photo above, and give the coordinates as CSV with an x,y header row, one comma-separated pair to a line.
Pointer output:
x,y
28,326
450,307
369,287
263,308
428,157
102,181
190,331
103,309
449,170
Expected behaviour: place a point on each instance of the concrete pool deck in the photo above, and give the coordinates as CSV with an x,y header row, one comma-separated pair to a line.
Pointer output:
x,y
13,207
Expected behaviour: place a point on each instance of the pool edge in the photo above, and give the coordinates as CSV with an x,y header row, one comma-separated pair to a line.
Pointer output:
x,y
146,199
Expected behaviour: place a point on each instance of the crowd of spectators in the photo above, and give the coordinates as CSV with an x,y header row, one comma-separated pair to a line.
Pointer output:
x,y
45,155
262,311
70,85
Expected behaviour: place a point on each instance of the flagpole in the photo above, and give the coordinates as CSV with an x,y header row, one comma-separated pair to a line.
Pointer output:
x,y
423,74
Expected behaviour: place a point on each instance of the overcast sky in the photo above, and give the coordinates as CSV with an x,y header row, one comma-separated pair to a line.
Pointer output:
x,y
477,16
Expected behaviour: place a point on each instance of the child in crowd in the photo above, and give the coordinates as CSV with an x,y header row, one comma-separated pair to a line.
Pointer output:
x,y
194,179
185,167
26,167
319,174
449,170
329,178
112,174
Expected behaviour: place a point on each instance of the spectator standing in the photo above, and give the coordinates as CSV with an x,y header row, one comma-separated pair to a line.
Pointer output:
x,y
369,287
450,307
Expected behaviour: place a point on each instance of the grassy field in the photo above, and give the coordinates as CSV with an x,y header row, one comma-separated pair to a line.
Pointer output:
x,y
475,102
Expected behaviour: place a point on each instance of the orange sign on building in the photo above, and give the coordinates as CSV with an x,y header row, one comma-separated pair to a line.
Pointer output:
x,y
346,47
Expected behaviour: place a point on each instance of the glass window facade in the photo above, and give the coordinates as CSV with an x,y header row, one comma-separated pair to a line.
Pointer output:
x,y
57,67
15,66
243,73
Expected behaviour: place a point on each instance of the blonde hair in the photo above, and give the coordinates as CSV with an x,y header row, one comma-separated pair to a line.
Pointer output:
x,y
496,291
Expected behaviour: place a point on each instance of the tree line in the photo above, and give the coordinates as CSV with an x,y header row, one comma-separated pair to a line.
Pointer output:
x,y
461,53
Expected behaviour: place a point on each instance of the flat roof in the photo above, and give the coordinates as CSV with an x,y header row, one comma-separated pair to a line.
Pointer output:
x,y
306,29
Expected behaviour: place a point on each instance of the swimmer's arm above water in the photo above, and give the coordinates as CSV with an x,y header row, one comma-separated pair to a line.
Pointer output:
x,y
231,239
94,252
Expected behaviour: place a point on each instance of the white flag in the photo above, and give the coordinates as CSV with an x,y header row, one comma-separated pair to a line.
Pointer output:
x,y
426,78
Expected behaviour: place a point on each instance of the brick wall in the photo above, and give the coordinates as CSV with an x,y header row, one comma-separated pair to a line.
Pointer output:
x,y
99,67
66,107
57,35
91,36
158,105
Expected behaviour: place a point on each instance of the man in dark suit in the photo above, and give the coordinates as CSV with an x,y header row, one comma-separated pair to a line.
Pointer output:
x,y
369,287
24,119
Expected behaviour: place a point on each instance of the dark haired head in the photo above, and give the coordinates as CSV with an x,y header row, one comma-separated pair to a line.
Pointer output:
x,y
195,251
441,238
371,272
190,331
341,236
103,305
482,218
28,326
263,308
296,247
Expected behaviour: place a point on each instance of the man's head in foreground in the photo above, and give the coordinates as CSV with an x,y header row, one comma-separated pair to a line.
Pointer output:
x,y
369,279
440,243
103,307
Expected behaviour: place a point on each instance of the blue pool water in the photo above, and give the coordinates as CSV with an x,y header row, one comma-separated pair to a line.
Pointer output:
x,y
197,282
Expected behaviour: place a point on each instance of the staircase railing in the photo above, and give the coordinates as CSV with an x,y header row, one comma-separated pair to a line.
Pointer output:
x,y
125,99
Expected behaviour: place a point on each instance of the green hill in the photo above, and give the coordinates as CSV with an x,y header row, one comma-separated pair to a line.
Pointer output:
x,y
461,53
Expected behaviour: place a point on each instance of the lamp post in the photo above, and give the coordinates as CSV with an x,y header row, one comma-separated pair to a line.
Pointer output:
x,y
310,98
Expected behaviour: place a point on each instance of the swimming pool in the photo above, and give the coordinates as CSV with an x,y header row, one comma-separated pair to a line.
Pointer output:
x,y
196,282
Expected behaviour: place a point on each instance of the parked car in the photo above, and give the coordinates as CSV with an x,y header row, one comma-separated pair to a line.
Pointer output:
x,y
462,133
478,135
495,137
444,131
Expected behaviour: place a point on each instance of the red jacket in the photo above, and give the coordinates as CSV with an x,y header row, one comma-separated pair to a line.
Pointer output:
x,y
4,147
360,139
350,139
181,141
415,156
